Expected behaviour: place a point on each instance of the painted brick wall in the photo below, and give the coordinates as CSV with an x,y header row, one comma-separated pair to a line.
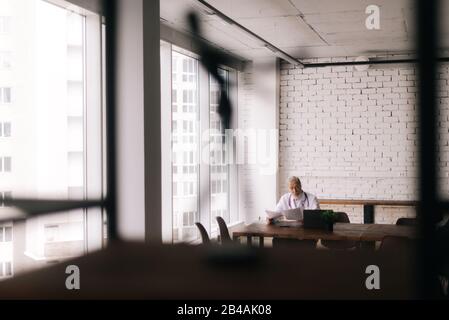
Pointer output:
x,y
353,134
246,176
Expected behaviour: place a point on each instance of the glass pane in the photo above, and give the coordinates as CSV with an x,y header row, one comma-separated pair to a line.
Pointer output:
x,y
219,166
44,156
6,129
186,149
8,234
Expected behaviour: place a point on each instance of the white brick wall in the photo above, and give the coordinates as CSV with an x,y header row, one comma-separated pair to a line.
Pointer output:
x,y
353,134
246,176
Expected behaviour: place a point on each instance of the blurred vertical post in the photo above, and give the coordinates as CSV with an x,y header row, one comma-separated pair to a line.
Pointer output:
x,y
110,10
428,209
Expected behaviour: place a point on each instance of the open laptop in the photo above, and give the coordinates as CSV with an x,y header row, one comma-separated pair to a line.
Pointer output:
x,y
312,219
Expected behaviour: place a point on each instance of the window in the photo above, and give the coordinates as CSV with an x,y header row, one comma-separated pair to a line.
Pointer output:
x,y
5,60
186,151
175,189
5,164
58,129
201,179
5,195
5,234
219,176
5,95
5,129
5,25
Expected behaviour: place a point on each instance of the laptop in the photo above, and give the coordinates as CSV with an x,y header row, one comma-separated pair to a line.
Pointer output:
x,y
312,219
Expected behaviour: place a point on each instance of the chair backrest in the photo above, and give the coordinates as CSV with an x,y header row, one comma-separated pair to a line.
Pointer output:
x,y
224,232
398,245
343,217
407,222
204,236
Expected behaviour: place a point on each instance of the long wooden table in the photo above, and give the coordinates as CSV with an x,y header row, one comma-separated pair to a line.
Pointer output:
x,y
150,271
342,231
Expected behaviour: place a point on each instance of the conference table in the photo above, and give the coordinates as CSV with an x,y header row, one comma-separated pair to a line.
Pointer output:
x,y
363,233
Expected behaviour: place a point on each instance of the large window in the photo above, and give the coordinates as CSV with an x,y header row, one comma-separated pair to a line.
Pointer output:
x,y
56,147
199,177
219,162
185,146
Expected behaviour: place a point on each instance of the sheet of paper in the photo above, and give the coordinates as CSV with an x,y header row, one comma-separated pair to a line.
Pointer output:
x,y
293,214
273,214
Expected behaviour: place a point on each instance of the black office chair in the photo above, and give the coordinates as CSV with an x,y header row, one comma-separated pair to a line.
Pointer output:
x,y
407,222
204,236
342,217
224,232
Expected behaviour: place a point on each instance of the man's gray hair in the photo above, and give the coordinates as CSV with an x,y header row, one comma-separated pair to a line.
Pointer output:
x,y
295,180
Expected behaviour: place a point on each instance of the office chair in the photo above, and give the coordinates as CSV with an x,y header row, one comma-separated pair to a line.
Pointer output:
x,y
407,222
342,217
204,236
224,232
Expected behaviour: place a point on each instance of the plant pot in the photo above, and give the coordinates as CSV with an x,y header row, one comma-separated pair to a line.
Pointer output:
x,y
329,227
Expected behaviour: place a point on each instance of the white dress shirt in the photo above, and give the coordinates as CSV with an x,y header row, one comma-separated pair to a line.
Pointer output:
x,y
307,201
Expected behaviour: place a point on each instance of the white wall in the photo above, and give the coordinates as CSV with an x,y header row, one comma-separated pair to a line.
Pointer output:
x,y
353,134
138,134
258,113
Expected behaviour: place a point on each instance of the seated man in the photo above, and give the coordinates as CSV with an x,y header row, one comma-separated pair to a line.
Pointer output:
x,y
296,198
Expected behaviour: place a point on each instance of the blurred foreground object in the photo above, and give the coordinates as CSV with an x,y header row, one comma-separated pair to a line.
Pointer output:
x,y
139,271
212,59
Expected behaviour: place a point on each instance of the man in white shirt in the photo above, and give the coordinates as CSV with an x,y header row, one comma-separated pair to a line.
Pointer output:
x,y
296,198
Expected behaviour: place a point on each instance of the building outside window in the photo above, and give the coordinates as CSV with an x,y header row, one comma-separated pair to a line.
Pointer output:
x,y
5,129
219,164
185,110
5,95
5,164
200,190
48,113
5,24
5,60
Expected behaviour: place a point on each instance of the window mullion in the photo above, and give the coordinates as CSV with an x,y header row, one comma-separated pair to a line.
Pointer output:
x,y
204,103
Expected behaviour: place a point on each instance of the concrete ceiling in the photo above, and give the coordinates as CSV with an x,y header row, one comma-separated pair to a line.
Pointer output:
x,y
304,28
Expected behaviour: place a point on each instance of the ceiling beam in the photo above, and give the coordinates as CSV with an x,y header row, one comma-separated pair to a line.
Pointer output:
x,y
269,46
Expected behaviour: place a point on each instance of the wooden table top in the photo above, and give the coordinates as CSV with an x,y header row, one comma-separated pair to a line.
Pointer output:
x,y
149,271
342,231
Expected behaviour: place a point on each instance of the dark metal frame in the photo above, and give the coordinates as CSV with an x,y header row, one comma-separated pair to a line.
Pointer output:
x,y
429,208
110,202
361,63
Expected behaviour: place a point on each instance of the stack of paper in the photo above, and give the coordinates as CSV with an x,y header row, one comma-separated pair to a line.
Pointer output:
x,y
291,214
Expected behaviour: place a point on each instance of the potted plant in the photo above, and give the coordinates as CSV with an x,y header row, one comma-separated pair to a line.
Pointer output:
x,y
329,217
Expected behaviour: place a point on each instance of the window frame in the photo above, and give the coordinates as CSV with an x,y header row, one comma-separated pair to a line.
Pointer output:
x,y
204,213
94,116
